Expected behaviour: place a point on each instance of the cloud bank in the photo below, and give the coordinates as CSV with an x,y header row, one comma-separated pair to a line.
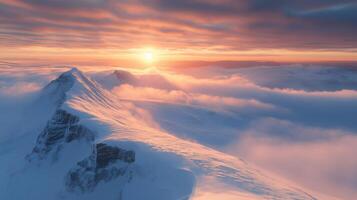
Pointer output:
x,y
303,129
320,159
239,24
306,134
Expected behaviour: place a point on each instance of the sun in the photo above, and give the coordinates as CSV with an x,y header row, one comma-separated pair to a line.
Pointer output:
x,y
148,56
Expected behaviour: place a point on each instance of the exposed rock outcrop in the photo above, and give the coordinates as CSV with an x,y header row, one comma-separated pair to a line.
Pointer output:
x,y
62,128
104,164
107,154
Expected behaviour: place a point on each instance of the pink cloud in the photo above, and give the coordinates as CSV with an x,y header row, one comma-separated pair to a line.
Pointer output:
x,y
193,99
327,166
19,88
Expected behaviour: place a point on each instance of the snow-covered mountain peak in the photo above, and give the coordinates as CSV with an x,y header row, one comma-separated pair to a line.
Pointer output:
x,y
74,70
68,137
123,75
72,74
98,144
64,82
116,78
73,83
144,79
55,92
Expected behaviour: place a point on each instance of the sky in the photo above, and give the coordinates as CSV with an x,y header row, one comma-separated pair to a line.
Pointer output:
x,y
120,32
289,120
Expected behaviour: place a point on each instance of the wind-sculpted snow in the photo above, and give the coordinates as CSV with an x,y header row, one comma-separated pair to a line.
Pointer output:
x,y
172,139
127,124
105,162
56,90
305,110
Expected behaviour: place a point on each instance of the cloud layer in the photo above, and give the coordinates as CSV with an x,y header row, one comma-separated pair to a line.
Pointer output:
x,y
239,24
324,165
297,121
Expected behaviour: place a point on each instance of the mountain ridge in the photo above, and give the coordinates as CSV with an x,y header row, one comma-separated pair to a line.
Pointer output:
x,y
161,160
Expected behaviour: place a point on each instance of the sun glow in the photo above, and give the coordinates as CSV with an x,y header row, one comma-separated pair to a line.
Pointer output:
x,y
148,56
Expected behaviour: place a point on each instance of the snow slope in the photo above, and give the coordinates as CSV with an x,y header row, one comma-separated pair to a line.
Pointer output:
x,y
165,167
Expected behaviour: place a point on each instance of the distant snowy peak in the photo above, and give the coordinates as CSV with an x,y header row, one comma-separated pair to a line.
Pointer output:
x,y
119,77
124,76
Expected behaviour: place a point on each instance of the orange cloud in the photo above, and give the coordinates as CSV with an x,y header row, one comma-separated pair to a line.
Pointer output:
x,y
201,30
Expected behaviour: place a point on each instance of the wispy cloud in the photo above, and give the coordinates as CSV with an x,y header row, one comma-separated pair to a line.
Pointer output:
x,y
239,25
325,165
308,135
305,133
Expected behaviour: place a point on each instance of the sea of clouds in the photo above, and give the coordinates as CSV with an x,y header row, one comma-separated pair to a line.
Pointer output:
x,y
296,121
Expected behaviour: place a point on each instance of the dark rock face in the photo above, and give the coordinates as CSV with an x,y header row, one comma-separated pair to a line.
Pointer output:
x,y
62,128
104,164
107,154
